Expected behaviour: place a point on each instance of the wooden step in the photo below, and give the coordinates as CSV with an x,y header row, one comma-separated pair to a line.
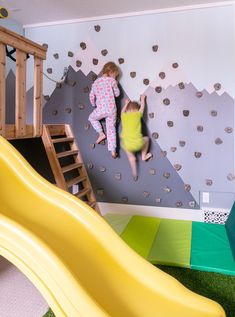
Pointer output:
x,y
76,180
71,167
83,192
62,140
66,153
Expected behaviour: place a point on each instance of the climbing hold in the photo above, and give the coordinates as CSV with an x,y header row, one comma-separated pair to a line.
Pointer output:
x,y
218,141
230,177
192,204
146,194
163,153
118,176
90,165
49,70
155,48
158,200
158,89
102,142
86,89
58,85
97,28
214,113
199,128
95,61
81,106
228,130
167,189
177,167
133,74
217,86
181,85
199,94
46,97
155,135
87,126
166,175
71,82
102,169
104,52
45,45
173,148
78,63
197,154
182,143
70,54
94,77
83,45
68,110
121,60
151,115
179,204
146,81
152,171
54,112
175,65
100,192
187,187
162,75
170,124
209,182
186,113
92,146
124,199
166,101
56,55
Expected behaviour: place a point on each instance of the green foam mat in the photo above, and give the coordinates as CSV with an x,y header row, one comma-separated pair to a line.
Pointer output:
x,y
210,249
230,228
140,233
172,245
118,222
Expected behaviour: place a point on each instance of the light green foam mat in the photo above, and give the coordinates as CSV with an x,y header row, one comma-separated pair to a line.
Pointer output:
x,y
118,222
210,249
172,245
140,233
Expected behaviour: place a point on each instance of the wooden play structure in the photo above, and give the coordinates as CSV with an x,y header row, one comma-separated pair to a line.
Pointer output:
x,y
52,135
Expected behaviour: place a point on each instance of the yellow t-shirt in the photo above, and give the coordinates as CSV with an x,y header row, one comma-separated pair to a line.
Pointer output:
x,y
132,138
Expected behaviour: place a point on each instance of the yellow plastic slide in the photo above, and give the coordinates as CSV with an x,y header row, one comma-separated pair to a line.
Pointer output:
x,y
80,265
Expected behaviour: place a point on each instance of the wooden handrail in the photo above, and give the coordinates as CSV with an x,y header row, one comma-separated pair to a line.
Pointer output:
x,y
23,47
15,40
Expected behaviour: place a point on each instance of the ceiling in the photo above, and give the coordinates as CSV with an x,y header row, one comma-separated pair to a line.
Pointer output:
x,y
43,11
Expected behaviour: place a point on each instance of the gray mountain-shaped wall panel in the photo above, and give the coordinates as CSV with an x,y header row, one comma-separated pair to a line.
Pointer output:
x,y
10,98
111,179
206,124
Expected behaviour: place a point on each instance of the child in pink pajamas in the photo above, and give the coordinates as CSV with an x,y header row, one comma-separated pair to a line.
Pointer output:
x,y
102,95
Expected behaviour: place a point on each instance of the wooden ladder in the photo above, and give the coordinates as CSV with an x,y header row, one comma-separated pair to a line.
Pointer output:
x,y
66,163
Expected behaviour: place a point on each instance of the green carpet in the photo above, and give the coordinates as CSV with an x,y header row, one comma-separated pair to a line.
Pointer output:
x,y
218,287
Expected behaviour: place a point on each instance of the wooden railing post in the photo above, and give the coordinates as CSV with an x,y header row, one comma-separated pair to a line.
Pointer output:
x,y
37,99
2,89
20,111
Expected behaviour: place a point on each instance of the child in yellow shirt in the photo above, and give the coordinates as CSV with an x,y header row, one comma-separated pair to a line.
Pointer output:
x,y
132,139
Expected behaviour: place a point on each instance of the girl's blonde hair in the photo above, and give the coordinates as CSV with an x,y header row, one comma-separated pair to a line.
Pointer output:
x,y
110,67
133,105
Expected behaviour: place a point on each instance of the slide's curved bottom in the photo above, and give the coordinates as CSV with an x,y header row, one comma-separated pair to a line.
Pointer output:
x,y
75,259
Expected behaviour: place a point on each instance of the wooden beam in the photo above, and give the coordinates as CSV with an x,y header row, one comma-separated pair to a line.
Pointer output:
x,y
2,89
20,42
20,110
11,132
37,103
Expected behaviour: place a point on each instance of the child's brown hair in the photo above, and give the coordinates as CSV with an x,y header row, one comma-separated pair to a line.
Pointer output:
x,y
133,105
110,67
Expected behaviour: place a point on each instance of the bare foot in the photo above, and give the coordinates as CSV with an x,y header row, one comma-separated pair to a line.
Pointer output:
x,y
147,157
114,154
101,137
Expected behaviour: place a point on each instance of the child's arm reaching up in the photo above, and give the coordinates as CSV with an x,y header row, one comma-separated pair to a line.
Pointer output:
x,y
142,103
125,105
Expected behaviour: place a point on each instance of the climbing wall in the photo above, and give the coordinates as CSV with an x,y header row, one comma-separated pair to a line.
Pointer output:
x,y
185,69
